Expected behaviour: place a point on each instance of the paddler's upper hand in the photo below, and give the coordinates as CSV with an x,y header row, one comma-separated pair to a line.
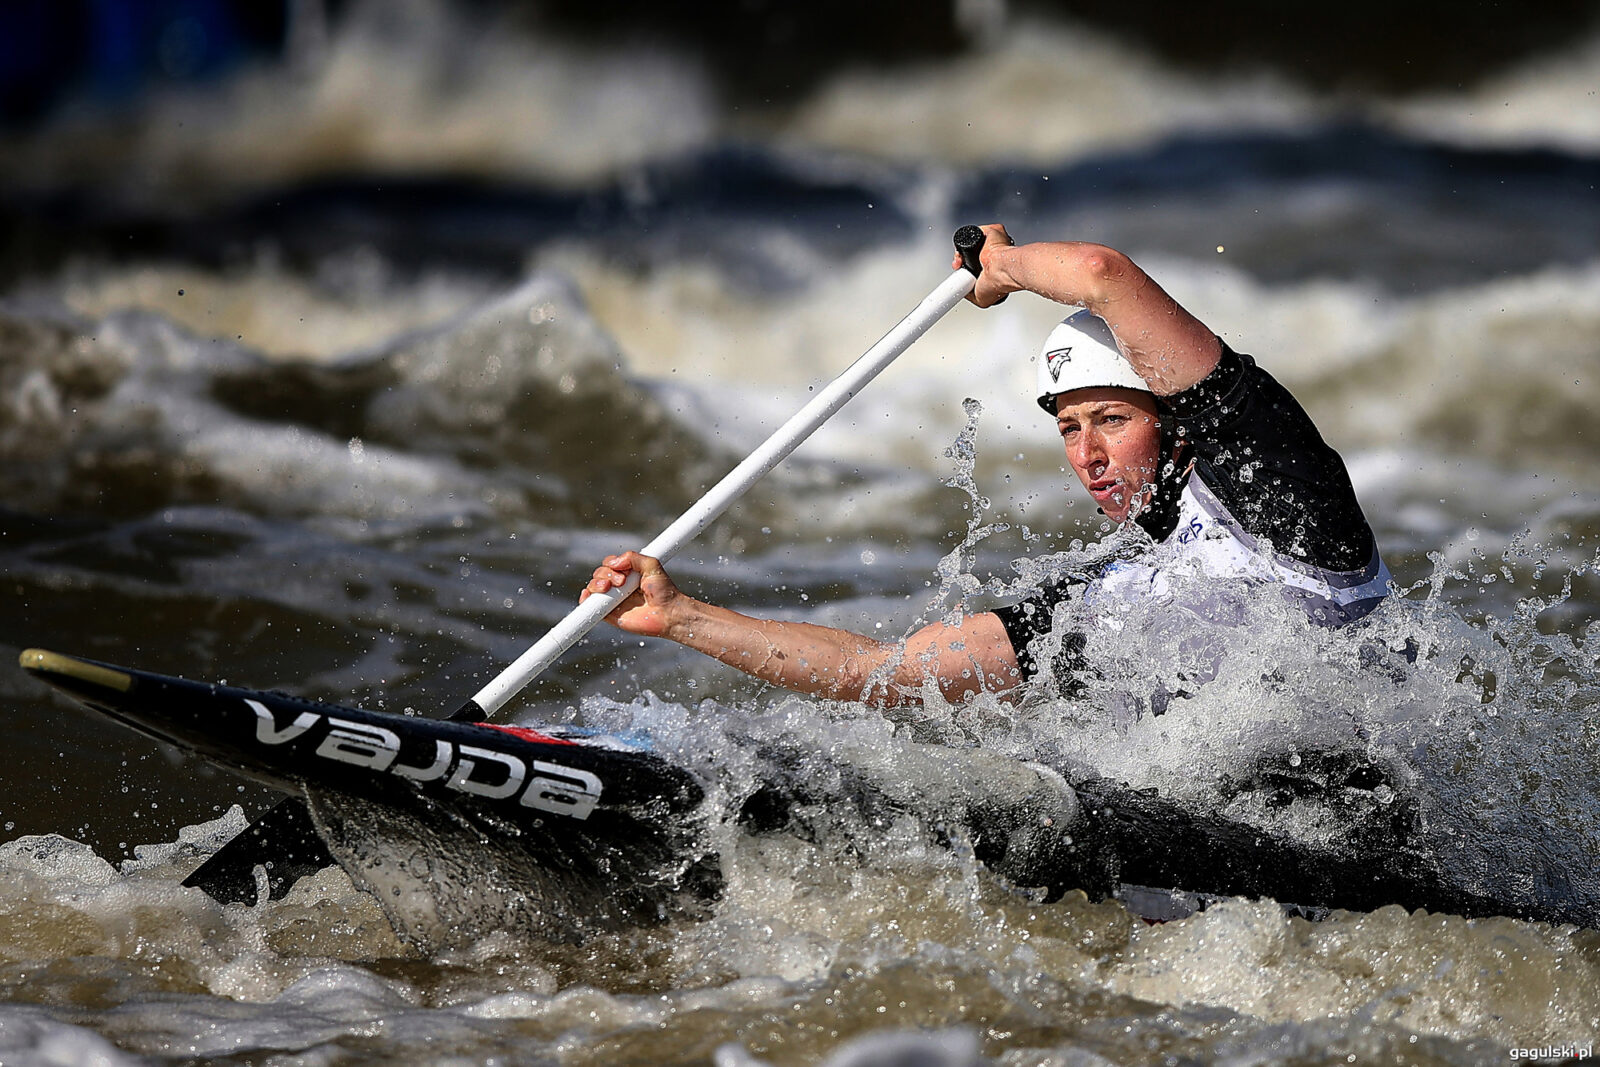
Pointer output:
x,y
993,285
648,610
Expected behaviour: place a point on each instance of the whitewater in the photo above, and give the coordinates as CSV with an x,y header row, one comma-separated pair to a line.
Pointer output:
x,y
340,377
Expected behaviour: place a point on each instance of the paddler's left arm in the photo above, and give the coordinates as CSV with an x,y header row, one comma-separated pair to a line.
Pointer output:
x,y
971,656
1168,346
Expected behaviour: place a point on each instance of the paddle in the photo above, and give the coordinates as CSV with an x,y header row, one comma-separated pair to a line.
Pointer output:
x,y
284,839
492,697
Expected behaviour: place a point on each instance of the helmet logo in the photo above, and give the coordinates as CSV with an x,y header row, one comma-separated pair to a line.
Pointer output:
x,y
1053,360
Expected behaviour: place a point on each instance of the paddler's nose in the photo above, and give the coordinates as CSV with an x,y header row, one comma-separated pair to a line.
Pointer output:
x,y
1087,451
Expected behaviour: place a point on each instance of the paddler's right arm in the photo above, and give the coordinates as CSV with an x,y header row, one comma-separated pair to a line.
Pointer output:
x,y
961,659
1168,346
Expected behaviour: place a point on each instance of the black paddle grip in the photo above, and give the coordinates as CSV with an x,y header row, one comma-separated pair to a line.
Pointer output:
x,y
969,242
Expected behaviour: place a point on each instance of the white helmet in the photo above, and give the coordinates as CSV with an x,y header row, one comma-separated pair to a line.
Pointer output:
x,y
1081,353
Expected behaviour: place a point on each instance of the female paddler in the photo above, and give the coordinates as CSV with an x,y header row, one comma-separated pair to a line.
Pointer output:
x,y
1166,427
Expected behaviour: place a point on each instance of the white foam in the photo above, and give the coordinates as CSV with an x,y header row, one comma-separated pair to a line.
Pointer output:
x,y
57,859
1041,92
1048,92
30,1038
1547,100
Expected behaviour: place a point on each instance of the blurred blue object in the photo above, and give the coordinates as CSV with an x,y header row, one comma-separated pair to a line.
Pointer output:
x,y
113,51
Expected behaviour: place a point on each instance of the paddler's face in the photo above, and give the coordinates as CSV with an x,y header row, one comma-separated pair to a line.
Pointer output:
x,y
1113,442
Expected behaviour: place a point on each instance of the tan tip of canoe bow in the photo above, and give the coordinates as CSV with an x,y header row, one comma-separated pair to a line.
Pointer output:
x,y
37,659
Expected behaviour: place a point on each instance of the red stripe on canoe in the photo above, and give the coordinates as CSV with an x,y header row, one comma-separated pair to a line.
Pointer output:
x,y
528,735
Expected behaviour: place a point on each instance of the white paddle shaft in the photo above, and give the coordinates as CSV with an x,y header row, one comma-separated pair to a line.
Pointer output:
x,y
509,682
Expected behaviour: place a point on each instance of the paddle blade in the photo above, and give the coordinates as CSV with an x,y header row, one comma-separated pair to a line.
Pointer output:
x,y
283,842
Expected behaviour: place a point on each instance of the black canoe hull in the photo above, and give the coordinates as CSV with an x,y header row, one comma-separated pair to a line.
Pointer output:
x,y
286,741
588,795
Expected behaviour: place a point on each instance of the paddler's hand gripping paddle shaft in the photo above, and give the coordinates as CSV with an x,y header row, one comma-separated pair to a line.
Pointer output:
x,y
492,697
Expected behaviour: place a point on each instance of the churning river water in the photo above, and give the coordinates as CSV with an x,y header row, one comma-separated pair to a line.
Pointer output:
x,y
328,426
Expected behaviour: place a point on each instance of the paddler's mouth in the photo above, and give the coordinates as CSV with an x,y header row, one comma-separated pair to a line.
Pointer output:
x,y
1106,489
